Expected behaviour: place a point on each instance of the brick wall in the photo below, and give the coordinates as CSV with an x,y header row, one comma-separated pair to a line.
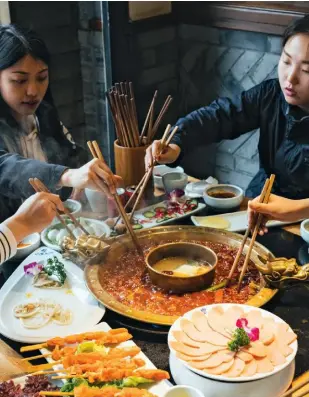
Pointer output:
x,y
57,24
217,62
155,60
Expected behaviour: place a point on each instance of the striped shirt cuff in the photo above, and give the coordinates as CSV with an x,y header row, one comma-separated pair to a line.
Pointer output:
x,y
8,244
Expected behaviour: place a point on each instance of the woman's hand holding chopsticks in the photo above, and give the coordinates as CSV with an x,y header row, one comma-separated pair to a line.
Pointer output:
x,y
278,208
94,175
166,156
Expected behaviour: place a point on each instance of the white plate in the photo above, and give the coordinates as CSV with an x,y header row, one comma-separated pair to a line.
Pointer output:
x,y
87,312
238,221
246,308
158,388
101,226
138,215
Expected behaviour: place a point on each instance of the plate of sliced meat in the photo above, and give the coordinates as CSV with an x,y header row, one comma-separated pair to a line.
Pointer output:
x,y
232,342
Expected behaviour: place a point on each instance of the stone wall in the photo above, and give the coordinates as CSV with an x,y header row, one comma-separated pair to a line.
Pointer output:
x,y
94,69
217,62
156,68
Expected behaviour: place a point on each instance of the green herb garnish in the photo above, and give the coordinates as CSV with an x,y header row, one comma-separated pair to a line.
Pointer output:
x,y
54,268
240,338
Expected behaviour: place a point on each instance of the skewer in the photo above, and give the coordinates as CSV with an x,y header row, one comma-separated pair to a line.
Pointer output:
x,y
37,357
98,154
66,211
255,232
240,250
37,189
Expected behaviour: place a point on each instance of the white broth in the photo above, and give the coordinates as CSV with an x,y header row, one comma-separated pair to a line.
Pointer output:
x,y
180,266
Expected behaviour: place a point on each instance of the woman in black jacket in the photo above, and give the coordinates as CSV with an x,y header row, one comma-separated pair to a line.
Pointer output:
x,y
33,141
278,107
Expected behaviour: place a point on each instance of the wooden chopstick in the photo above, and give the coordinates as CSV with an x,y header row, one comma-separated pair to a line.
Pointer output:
x,y
240,250
66,211
148,117
296,388
164,143
131,198
255,232
96,153
37,188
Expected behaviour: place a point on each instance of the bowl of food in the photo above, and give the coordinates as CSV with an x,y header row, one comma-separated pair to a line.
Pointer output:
x,y
223,196
73,206
304,230
181,267
159,171
233,350
27,245
53,235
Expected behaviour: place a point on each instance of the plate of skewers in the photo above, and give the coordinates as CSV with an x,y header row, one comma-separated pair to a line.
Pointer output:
x,y
100,363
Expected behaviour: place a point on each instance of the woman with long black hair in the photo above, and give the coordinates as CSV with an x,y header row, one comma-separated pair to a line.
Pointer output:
x,y
33,141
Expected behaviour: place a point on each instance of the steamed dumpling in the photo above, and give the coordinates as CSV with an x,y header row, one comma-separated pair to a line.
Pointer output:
x,y
52,235
63,233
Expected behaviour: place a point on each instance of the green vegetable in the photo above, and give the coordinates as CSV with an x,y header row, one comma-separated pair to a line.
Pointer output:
x,y
55,269
90,347
149,214
130,381
217,286
137,226
240,338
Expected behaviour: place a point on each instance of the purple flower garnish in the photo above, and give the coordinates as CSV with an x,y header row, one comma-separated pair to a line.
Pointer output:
x,y
33,268
253,333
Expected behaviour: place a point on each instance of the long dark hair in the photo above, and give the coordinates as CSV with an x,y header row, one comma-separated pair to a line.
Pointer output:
x,y
15,43
300,25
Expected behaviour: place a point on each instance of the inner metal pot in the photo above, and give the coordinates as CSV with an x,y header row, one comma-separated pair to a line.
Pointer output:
x,y
188,250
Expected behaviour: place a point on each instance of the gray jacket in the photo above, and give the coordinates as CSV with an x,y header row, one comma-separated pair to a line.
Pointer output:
x,y
16,170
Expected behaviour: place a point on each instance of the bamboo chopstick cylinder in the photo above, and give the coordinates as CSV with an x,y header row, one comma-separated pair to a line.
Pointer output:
x,y
98,154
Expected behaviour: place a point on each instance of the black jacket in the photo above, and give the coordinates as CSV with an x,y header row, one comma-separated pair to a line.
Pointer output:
x,y
16,170
284,135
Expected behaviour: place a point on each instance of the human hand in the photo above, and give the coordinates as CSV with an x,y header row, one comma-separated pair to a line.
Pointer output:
x,y
167,156
95,175
36,213
278,208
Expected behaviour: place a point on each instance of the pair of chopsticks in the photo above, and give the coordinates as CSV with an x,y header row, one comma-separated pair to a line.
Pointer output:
x,y
264,197
296,388
140,189
39,186
123,108
97,154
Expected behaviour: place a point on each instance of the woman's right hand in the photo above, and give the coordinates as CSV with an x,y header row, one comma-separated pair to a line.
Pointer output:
x,y
95,175
169,155
36,213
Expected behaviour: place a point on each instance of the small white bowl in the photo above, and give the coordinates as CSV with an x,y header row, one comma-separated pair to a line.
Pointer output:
x,y
224,203
73,206
183,391
159,171
303,231
33,240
